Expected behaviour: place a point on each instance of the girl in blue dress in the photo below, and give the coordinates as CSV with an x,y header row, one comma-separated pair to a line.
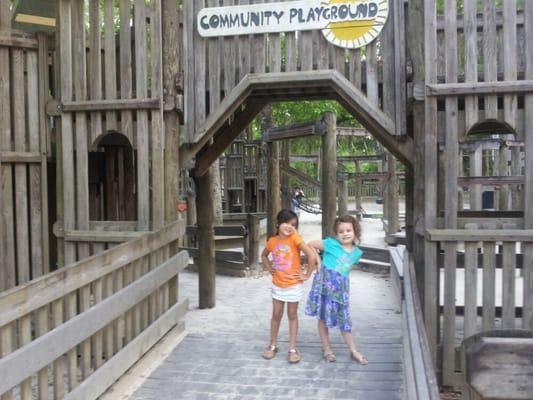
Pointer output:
x,y
329,298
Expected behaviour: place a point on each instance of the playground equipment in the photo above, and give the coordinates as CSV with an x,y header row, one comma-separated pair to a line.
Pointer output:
x,y
106,170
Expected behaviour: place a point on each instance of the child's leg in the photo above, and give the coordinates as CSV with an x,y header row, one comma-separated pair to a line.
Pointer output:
x,y
323,332
356,355
348,339
292,313
277,313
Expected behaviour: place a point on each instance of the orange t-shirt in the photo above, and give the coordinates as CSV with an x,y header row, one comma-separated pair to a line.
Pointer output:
x,y
285,259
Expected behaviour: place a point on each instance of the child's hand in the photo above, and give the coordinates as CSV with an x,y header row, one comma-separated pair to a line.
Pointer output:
x,y
305,273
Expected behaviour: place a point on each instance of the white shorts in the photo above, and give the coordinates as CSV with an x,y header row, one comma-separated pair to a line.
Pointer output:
x,y
292,294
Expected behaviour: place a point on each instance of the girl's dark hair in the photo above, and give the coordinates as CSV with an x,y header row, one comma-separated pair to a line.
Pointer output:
x,y
350,220
285,215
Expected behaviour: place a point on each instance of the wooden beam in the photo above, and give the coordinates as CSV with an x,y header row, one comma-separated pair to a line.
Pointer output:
x,y
14,38
111,105
306,178
479,88
225,136
471,235
294,131
352,131
490,180
21,157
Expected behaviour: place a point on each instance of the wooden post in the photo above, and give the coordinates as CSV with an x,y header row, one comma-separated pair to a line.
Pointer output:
x,y
342,196
171,67
392,196
516,169
285,161
329,173
253,242
476,164
528,178
206,241
504,168
273,197
273,175
358,187
426,14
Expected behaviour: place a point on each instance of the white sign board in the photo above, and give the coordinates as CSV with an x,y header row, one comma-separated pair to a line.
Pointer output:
x,y
345,23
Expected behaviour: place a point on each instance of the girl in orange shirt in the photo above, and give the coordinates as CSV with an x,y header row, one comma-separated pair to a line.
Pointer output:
x,y
281,257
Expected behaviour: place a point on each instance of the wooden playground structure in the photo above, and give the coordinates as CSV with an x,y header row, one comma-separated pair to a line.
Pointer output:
x,y
110,109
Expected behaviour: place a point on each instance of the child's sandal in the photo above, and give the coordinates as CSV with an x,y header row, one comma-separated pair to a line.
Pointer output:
x,y
294,356
270,352
359,357
329,356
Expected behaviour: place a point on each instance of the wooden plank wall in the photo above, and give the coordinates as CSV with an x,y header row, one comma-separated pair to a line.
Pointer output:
x,y
111,83
481,74
229,59
24,236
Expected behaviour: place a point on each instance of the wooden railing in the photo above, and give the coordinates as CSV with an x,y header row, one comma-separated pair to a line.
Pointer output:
x,y
489,257
73,332
419,375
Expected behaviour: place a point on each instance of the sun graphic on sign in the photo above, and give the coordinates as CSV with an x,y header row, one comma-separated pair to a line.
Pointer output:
x,y
357,33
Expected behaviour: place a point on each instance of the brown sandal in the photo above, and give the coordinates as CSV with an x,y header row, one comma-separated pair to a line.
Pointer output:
x,y
294,356
329,356
270,352
359,357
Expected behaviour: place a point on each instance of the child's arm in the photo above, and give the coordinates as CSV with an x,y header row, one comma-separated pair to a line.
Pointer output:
x,y
266,262
311,260
316,245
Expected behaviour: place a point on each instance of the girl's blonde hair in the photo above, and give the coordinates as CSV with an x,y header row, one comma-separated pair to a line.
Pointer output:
x,y
350,220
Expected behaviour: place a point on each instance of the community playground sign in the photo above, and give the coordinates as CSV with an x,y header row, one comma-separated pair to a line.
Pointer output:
x,y
345,23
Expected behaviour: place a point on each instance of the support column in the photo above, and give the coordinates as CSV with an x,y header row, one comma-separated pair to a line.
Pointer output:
x,y
342,196
285,161
329,173
253,223
171,56
273,184
516,170
358,187
206,240
503,168
476,164
392,196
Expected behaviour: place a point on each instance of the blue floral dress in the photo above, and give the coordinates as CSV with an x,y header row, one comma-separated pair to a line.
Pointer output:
x,y
329,298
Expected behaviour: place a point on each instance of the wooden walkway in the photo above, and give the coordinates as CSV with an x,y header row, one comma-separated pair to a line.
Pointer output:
x,y
221,356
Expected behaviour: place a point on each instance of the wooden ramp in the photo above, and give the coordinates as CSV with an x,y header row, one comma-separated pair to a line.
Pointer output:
x,y
221,356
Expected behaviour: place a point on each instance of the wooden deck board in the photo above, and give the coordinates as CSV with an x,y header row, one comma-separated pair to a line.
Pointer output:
x,y
221,356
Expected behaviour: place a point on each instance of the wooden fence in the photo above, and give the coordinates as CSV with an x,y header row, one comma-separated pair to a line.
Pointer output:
x,y
489,257
72,333
420,381
24,147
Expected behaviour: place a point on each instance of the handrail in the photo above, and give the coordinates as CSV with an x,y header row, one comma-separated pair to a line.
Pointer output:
x,y
22,299
423,379
90,321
